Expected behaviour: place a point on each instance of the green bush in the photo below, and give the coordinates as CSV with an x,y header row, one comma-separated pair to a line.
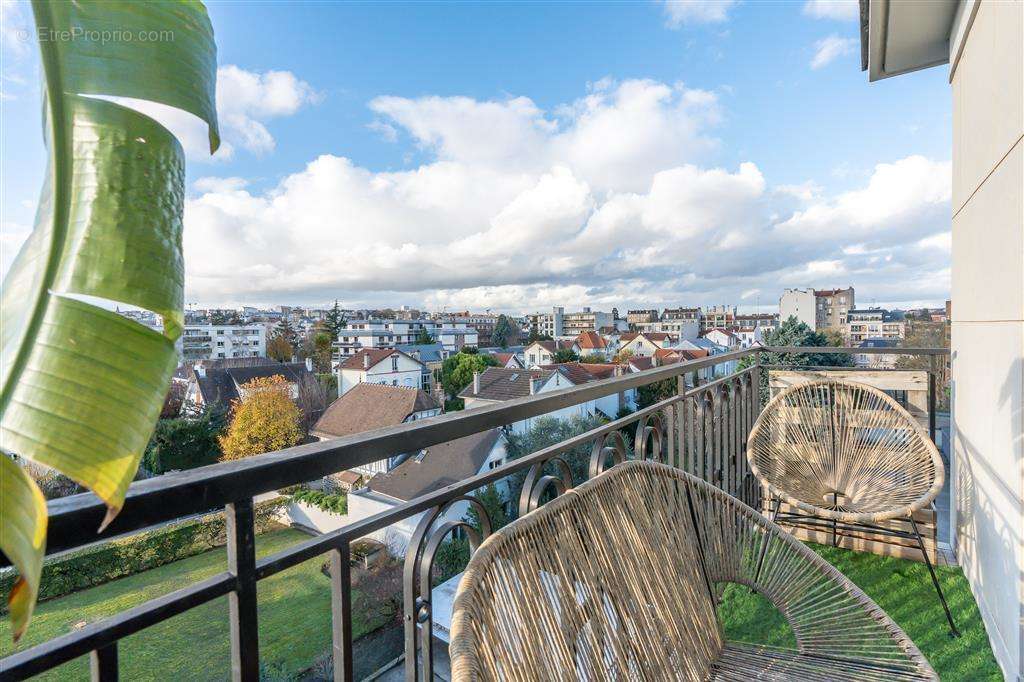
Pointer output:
x,y
185,442
335,503
127,556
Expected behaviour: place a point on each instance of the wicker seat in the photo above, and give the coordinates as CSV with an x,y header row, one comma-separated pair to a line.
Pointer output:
x,y
619,579
847,456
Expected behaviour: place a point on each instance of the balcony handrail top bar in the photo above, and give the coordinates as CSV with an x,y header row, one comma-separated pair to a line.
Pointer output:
x,y
805,350
163,498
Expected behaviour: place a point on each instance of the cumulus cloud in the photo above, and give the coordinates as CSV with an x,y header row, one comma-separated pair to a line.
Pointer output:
x,y
246,102
697,11
519,208
842,10
827,50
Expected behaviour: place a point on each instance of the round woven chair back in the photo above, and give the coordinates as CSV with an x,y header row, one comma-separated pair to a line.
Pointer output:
x,y
846,451
619,579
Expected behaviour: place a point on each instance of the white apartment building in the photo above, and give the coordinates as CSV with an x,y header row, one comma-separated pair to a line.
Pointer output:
x,y
218,341
686,329
799,303
873,323
360,334
559,323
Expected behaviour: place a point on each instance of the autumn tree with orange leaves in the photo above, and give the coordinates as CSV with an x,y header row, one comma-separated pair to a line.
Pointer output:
x,y
263,419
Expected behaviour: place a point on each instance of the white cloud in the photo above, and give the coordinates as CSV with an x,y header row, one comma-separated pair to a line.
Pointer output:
x,y
15,37
831,48
519,208
697,11
246,102
842,10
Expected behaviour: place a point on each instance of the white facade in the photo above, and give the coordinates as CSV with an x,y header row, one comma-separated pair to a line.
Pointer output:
x,y
684,329
390,333
724,338
984,43
398,369
799,303
643,346
537,355
217,341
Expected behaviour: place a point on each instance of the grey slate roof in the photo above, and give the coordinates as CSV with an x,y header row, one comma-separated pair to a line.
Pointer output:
x,y
436,467
424,352
498,383
370,406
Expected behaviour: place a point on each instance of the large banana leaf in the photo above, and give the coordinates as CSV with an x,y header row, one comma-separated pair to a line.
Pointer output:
x,y
82,386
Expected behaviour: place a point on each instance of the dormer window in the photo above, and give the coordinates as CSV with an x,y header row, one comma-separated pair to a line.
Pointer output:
x,y
394,363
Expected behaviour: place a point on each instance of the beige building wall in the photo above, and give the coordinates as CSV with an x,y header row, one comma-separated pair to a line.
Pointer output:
x,y
988,316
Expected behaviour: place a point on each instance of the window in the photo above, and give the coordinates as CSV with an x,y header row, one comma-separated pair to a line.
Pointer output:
x,y
495,463
220,344
394,363
394,382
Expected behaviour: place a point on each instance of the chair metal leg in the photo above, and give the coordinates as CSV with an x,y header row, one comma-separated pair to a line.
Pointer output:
x,y
935,580
835,507
767,539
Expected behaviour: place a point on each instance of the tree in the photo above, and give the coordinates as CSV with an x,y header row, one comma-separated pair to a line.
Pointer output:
x,y
548,431
534,337
185,443
565,355
286,331
655,392
594,359
504,332
335,320
793,332
623,356
264,419
834,337
321,350
279,349
457,370
424,337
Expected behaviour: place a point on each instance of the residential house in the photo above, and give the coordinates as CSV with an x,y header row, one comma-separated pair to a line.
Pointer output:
x,y
368,406
876,360
432,355
584,372
543,352
749,336
497,384
219,382
423,473
508,360
710,348
723,337
591,343
380,366
644,344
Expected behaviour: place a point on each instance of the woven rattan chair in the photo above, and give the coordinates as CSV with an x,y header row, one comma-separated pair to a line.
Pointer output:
x,y
847,457
619,579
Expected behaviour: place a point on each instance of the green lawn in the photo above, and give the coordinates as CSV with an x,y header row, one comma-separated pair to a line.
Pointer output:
x,y
904,589
294,606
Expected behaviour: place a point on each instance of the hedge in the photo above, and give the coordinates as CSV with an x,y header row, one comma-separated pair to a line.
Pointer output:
x,y
336,503
127,556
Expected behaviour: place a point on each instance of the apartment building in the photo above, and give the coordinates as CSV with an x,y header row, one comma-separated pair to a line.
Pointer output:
x,y
819,309
483,323
375,333
765,321
219,341
873,323
559,323
718,316
635,317
682,328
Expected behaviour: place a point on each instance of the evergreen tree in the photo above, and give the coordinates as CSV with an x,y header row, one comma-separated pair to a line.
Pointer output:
x,y
286,331
505,332
335,321
424,337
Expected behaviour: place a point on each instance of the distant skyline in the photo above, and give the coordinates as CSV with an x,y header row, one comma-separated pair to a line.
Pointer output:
x,y
519,156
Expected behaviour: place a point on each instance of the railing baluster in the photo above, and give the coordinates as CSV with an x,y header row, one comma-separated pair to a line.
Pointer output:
x,y
245,636
341,612
103,664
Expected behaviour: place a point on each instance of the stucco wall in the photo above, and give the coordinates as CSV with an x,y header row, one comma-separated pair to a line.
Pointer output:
x,y
988,321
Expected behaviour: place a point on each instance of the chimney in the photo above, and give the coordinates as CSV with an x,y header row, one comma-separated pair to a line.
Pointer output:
x,y
533,386
366,361
309,364
476,382
200,370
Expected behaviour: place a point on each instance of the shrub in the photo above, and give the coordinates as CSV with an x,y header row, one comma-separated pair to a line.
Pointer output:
x,y
127,556
335,503
184,443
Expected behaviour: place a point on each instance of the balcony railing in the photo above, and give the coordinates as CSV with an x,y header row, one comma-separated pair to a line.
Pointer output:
x,y
702,429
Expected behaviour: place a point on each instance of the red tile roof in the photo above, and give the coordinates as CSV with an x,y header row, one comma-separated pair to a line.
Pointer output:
x,y
591,341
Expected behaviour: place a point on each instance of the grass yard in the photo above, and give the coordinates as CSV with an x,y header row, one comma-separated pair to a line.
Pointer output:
x,y
294,606
904,590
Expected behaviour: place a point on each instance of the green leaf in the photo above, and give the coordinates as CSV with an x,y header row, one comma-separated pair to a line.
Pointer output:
x,y
22,538
80,386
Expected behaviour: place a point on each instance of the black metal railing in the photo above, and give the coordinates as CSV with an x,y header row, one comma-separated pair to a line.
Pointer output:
x,y
702,429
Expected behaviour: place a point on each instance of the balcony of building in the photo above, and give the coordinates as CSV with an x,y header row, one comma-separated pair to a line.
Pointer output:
x,y
701,428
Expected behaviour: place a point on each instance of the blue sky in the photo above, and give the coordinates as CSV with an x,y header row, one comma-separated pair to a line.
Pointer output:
x,y
396,143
